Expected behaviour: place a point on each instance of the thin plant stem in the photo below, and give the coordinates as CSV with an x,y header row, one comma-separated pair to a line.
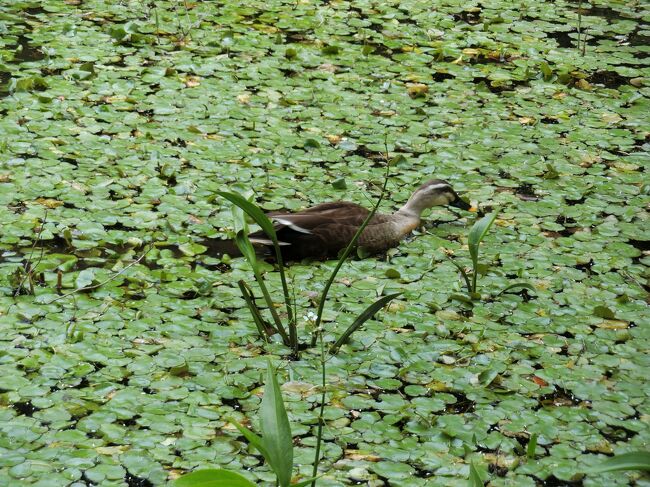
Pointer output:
x,y
28,265
346,253
474,277
321,412
293,337
582,49
267,297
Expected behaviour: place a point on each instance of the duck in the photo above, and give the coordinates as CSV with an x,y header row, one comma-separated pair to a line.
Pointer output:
x,y
322,231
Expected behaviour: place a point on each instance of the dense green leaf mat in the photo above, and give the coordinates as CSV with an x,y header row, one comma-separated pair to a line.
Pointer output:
x,y
121,119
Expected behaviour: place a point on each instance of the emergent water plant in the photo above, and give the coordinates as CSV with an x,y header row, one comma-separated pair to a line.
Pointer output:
x,y
288,333
476,235
275,444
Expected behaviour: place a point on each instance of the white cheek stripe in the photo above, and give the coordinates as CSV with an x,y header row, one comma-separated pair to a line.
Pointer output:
x,y
291,225
438,186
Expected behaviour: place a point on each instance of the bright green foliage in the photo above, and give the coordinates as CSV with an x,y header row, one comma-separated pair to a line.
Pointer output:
x,y
121,120
636,460
213,478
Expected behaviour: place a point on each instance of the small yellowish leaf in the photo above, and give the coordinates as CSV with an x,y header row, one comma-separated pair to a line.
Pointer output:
x,y
48,202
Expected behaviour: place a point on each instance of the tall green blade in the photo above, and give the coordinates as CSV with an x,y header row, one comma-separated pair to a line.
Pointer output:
x,y
253,439
253,211
477,233
248,251
246,248
532,446
635,460
474,477
267,226
260,323
276,432
213,478
368,313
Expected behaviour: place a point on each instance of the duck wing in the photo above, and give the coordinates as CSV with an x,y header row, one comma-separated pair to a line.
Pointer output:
x,y
319,231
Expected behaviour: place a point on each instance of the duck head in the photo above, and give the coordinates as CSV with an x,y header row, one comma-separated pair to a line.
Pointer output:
x,y
436,192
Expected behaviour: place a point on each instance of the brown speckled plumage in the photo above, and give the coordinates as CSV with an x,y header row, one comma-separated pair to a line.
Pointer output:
x,y
324,230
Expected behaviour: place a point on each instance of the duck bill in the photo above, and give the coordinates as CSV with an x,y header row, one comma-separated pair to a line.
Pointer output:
x,y
463,205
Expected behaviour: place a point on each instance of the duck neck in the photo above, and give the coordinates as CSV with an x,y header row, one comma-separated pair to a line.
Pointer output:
x,y
412,210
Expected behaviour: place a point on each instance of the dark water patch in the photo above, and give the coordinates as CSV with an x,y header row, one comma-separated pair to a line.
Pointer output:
x,y
568,231
219,267
497,89
420,473
133,481
25,52
233,403
607,13
4,79
218,248
472,16
609,79
24,408
295,37
558,398
462,404
132,421
135,296
525,192
494,469
637,39
288,73
379,49
586,267
562,38
33,11
573,202
69,160
617,433
553,481
363,151
552,121
439,76
466,312
642,245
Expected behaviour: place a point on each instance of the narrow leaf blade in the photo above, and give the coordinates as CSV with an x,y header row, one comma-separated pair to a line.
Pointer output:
x,y
253,211
246,248
276,432
636,460
260,323
368,313
532,446
478,232
213,478
253,439
474,477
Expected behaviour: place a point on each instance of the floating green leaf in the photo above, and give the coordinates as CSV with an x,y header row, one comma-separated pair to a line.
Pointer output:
x,y
213,478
